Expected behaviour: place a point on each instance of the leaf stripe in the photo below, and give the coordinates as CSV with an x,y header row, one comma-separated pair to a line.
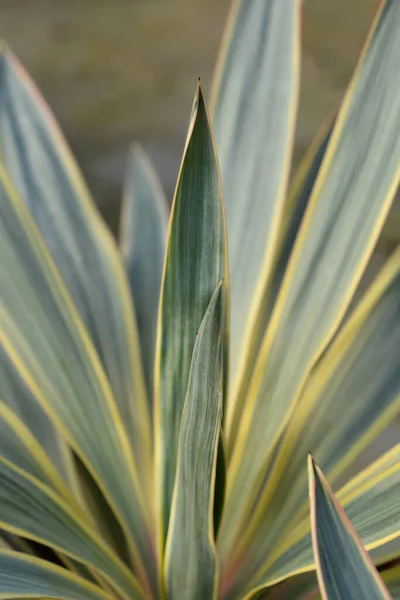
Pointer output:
x,y
28,577
346,576
348,206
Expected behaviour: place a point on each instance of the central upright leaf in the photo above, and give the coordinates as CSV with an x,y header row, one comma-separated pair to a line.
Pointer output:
x,y
196,260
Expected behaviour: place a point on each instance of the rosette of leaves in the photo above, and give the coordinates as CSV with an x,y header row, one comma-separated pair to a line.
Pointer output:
x,y
159,397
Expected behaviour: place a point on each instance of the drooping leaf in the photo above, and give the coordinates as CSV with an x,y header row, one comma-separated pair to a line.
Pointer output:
x,y
195,263
143,232
344,569
32,510
254,108
346,210
29,577
191,560
47,179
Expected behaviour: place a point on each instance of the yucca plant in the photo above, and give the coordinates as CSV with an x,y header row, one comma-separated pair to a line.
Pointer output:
x,y
157,406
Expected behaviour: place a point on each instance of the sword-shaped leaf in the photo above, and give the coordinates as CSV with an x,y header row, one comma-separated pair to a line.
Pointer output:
x,y
254,112
32,510
347,208
191,559
351,396
196,261
143,233
367,500
47,179
344,569
295,207
43,338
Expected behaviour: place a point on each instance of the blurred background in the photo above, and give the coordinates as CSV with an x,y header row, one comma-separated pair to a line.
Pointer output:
x,y
114,71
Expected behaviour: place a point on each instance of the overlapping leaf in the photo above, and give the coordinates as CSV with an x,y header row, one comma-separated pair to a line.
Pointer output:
x,y
344,569
24,576
350,200
254,110
52,356
191,560
19,446
352,395
21,400
31,509
195,263
305,587
368,501
144,220
47,179
295,207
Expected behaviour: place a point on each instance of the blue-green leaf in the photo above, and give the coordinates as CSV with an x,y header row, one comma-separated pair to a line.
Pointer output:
x,y
344,569
23,576
191,560
143,234
196,261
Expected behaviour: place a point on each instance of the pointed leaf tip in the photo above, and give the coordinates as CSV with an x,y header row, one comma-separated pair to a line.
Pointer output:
x,y
344,569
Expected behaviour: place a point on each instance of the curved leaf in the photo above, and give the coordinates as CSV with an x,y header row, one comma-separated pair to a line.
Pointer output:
x,y
22,402
25,576
52,357
191,560
30,509
19,446
143,233
46,177
195,263
344,569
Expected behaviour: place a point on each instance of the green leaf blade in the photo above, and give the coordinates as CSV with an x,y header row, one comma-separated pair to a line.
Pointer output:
x,y
196,261
349,399
254,109
191,561
345,572
368,502
345,214
61,369
32,510
295,207
47,179
19,446
23,576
